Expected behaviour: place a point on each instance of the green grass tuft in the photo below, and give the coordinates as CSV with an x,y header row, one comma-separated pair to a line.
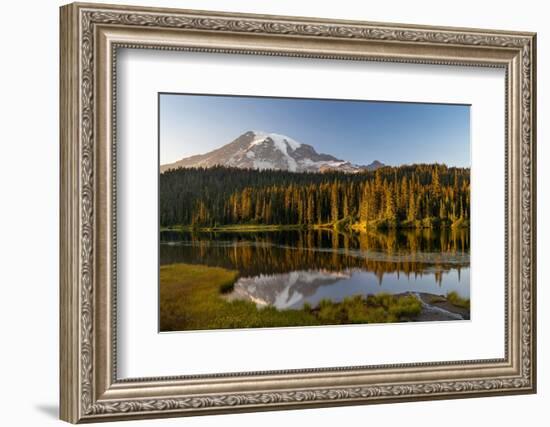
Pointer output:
x,y
457,300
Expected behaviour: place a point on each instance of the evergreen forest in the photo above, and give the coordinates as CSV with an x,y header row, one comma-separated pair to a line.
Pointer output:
x,y
409,196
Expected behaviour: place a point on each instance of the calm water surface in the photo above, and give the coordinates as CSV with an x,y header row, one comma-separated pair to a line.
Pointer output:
x,y
289,268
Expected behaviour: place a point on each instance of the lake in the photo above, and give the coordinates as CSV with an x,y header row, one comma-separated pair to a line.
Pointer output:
x,y
287,269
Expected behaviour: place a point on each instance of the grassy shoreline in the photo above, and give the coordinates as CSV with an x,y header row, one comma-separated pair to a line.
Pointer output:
x,y
341,225
192,298
236,227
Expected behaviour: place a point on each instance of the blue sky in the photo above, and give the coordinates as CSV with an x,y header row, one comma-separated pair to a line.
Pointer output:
x,y
394,133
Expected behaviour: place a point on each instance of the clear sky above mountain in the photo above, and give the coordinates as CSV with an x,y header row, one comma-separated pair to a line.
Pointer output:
x,y
394,133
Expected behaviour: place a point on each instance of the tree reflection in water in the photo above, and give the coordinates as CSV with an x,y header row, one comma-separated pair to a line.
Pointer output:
x,y
411,253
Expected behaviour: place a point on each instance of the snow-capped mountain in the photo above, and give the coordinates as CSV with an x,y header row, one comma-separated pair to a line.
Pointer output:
x,y
261,150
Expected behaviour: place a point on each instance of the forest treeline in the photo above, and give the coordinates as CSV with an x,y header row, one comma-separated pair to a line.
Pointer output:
x,y
410,196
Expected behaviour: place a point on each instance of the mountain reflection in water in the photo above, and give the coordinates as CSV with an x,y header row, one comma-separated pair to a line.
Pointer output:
x,y
286,269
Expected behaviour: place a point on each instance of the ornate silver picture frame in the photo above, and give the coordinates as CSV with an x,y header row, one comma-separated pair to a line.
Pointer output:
x,y
91,35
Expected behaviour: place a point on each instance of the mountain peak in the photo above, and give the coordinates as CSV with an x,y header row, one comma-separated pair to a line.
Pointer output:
x,y
257,149
376,164
282,142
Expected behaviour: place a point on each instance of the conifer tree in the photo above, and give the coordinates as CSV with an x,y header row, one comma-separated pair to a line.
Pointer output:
x,y
334,202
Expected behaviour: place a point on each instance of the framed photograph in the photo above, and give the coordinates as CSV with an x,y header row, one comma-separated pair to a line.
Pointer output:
x,y
265,231
265,212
